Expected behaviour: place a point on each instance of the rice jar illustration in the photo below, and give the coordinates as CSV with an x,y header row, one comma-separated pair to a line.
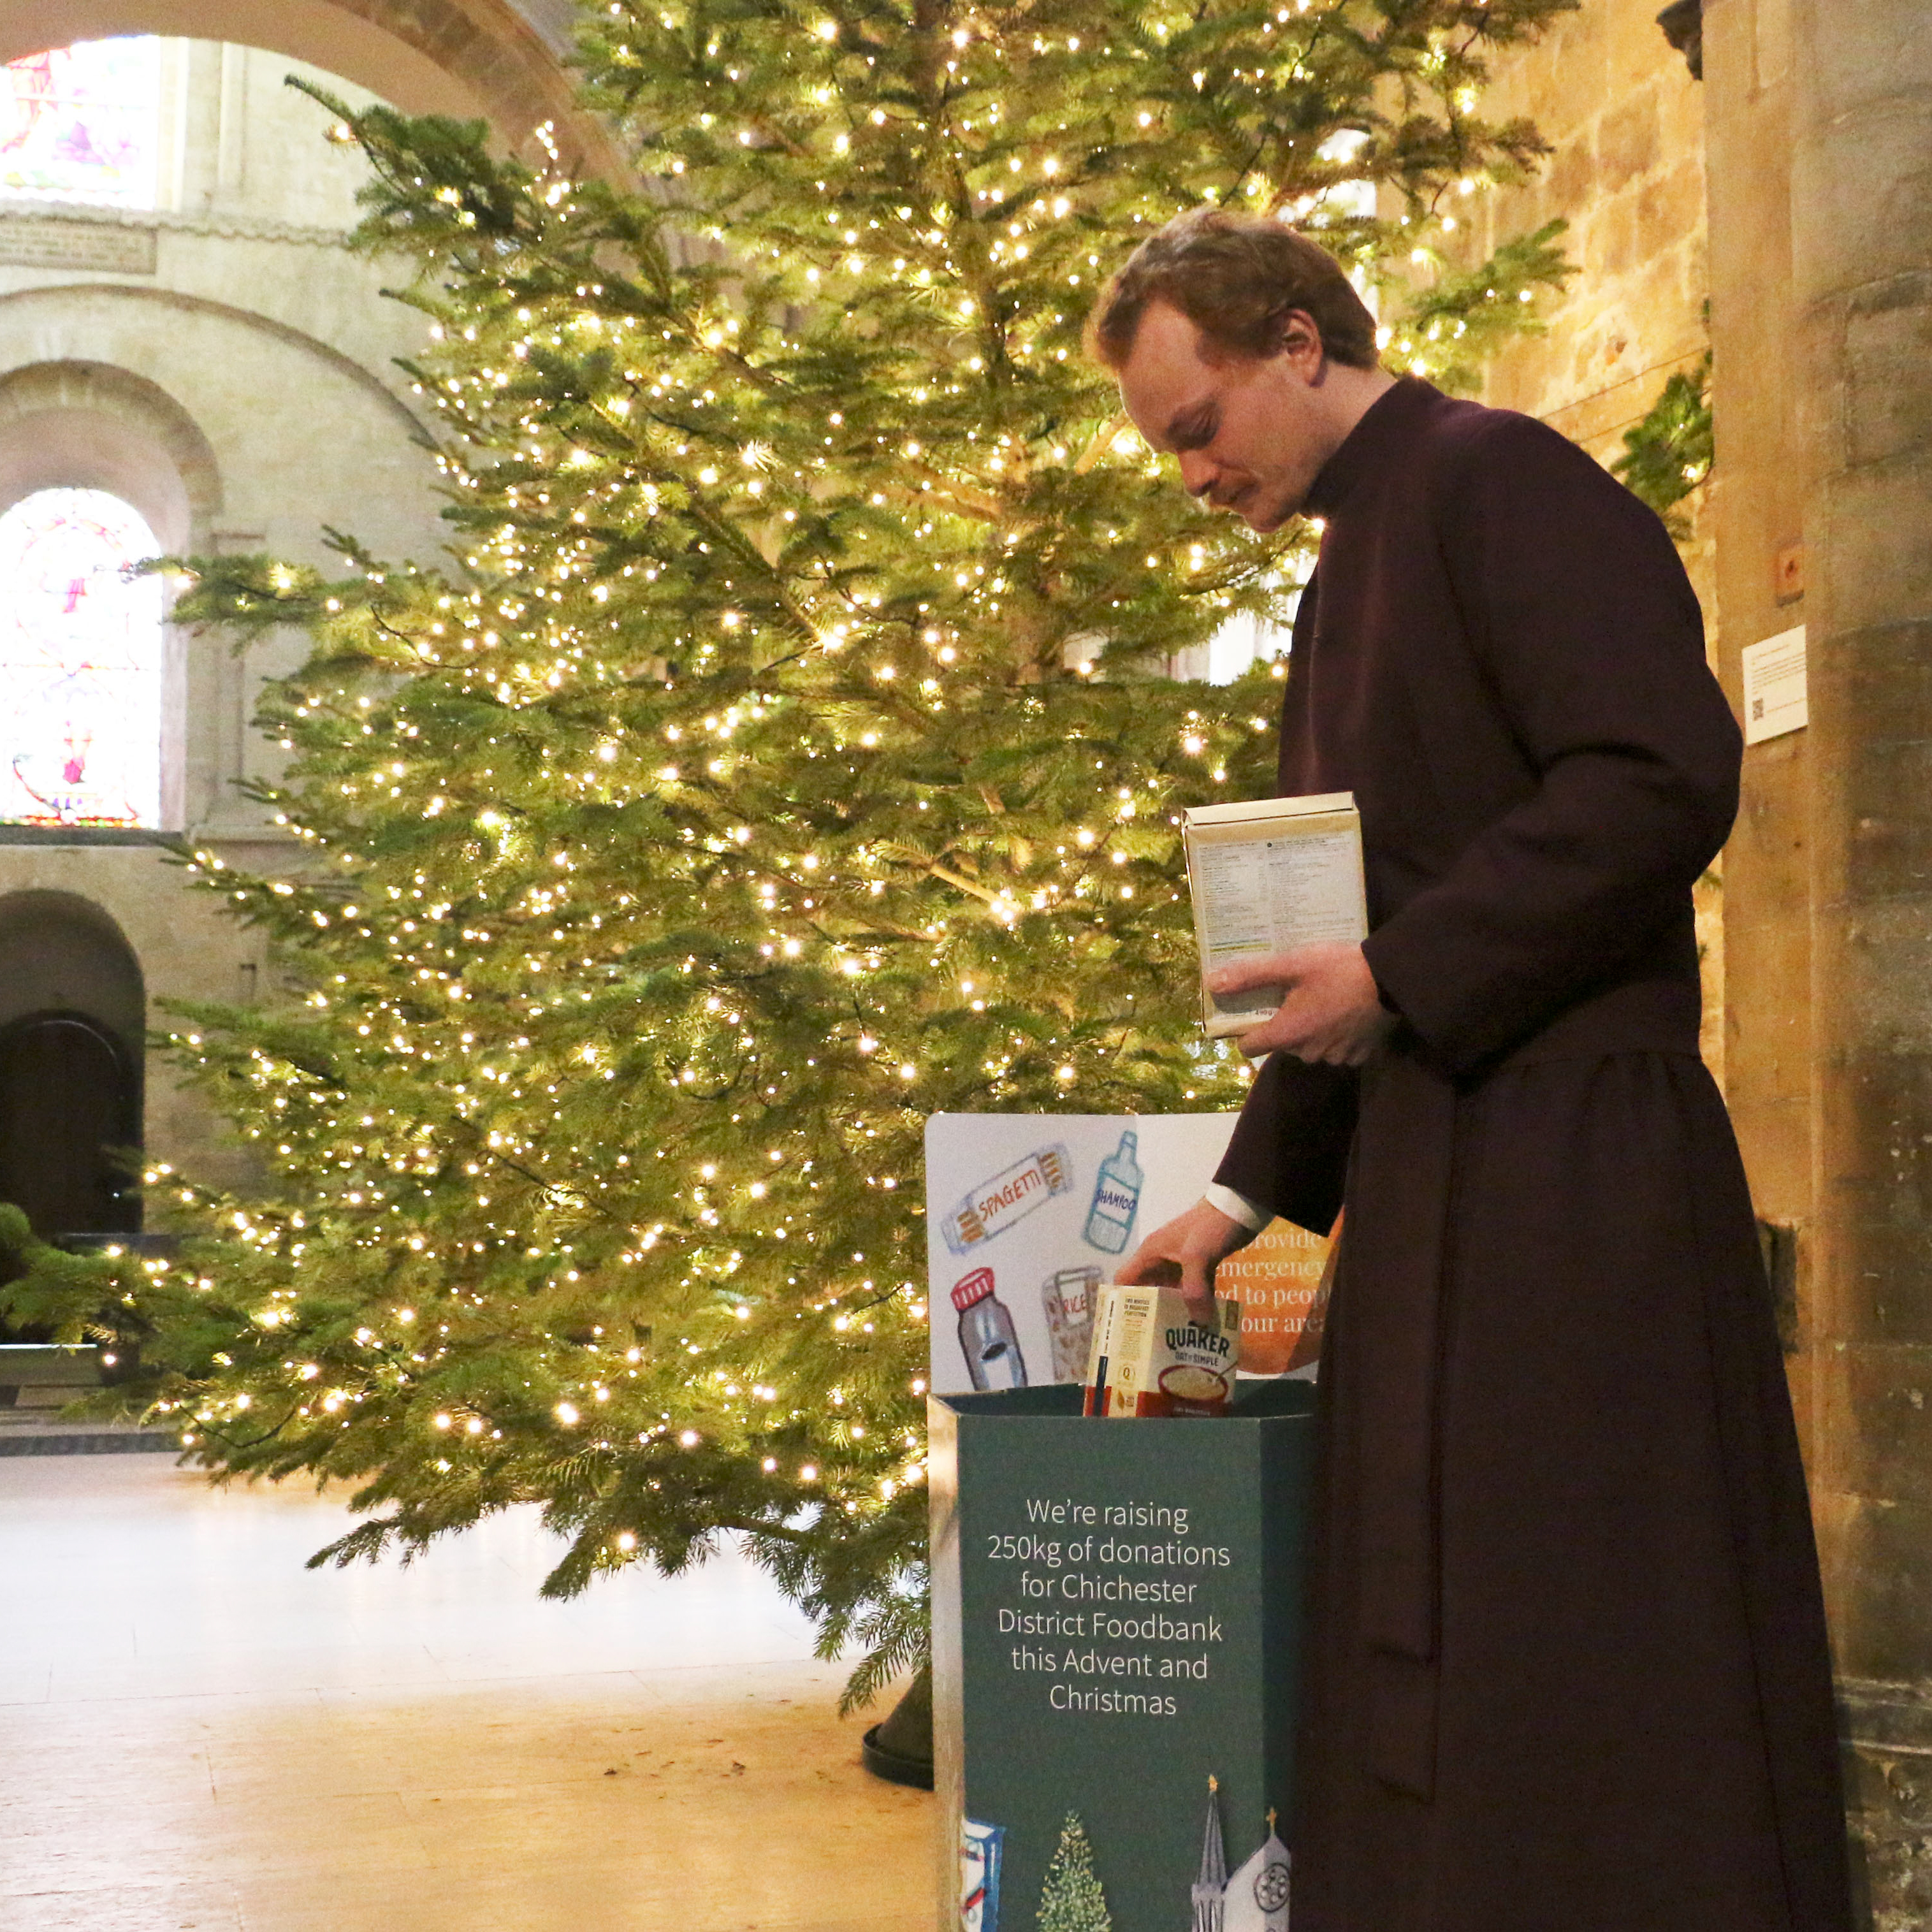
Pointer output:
x,y
987,1337
1067,1296
990,1209
1116,1198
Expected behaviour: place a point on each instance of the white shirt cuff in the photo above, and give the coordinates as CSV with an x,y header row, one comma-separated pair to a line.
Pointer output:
x,y
1236,1207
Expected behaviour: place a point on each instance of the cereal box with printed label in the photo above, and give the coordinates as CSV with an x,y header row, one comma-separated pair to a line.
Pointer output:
x,y
1149,1356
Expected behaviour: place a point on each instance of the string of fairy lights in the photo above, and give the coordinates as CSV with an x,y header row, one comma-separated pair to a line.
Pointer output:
x,y
786,753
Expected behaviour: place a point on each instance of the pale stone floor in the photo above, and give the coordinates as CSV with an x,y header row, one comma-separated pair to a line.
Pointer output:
x,y
197,1733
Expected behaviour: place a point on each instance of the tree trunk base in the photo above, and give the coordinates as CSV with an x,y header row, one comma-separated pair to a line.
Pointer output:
x,y
899,1749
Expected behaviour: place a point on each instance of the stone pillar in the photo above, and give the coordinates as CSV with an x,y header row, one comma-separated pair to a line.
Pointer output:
x,y
1861,286
1756,513
1820,121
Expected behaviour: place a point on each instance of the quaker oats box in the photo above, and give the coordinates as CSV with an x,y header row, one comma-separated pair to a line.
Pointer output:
x,y
1150,1358
1116,1633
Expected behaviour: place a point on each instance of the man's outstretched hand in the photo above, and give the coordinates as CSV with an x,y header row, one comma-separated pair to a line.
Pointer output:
x,y
1331,1012
1183,1254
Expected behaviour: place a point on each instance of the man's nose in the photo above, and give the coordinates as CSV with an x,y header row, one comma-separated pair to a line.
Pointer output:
x,y
1197,472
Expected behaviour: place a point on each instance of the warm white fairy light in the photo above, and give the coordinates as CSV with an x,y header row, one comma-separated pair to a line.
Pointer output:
x,y
703,656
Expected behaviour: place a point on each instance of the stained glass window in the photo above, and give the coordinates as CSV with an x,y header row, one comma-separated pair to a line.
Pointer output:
x,y
80,663
83,124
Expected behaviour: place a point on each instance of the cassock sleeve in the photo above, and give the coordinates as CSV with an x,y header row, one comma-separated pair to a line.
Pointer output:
x,y
1290,1150
1589,635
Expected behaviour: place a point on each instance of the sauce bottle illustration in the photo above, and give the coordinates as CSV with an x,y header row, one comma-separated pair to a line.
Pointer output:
x,y
987,1339
1116,1198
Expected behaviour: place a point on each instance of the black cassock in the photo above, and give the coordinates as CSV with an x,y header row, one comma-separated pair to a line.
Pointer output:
x,y
1568,1666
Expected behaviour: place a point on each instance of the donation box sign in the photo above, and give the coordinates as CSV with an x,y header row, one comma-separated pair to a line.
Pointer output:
x,y
1116,1637
1028,1215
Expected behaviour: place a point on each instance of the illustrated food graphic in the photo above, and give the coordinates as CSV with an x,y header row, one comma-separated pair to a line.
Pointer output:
x,y
979,1876
987,1339
1116,1198
1067,1296
990,1209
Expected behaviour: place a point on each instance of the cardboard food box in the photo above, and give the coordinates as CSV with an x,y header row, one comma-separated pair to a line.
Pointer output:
x,y
1149,1356
1117,1621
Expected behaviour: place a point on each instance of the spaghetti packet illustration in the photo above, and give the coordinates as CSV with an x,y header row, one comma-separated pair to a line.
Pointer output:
x,y
995,1205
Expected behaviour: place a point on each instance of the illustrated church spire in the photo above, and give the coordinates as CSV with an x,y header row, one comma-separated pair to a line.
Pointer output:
x,y
1211,1888
1258,1894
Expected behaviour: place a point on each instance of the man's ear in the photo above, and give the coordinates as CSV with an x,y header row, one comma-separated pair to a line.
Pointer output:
x,y
1300,341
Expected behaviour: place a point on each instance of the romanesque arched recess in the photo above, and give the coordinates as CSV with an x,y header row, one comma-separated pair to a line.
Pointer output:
x,y
501,60
77,424
73,1026
62,952
30,305
89,425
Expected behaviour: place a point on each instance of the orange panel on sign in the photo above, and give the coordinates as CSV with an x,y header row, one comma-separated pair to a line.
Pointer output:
x,y
1277,1279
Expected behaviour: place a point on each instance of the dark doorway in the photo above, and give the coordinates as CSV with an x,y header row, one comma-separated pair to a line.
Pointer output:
x,y
69,1095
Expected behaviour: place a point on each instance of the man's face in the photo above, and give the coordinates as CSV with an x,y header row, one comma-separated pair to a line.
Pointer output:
x,y
1251,436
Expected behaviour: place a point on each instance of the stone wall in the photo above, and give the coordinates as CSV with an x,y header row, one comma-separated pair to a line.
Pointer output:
x,y
1820,119
1623,118
221,362
1818,141
1624,121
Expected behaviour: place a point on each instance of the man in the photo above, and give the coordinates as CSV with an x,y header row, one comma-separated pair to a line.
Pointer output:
x,y
1566,1658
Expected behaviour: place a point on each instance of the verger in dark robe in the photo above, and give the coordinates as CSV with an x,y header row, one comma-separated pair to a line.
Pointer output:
x,y
1568,1666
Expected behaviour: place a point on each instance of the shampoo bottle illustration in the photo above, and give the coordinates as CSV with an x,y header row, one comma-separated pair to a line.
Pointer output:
x,y
1116,1198
986,1336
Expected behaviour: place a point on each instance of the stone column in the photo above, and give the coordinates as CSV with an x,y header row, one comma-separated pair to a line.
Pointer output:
x,y
1860,195
1757,514
1819,119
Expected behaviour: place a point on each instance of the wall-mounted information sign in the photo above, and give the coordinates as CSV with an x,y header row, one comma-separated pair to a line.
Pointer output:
x,y
1777,699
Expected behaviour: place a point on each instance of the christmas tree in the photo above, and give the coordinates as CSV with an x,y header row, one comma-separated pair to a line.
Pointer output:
x,y
1669,454
786,750
1070,1898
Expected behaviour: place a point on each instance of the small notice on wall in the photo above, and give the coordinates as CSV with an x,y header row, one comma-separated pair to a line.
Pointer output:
x,y
1775,701
57,242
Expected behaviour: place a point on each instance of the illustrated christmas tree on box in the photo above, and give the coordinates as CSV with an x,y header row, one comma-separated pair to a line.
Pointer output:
x,y
1071,1899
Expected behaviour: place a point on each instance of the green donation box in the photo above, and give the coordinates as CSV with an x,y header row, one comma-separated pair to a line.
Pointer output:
x,y
1116,1648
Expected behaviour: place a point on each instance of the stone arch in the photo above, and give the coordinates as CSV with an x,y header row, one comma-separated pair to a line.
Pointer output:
x,y
72,1032
89,425
73,1026
63,952
55,296
500,60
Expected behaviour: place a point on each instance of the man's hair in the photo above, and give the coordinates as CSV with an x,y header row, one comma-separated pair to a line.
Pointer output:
x,y
1236,277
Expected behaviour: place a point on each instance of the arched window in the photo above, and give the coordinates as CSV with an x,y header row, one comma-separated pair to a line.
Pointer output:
x,y
83,124
80,663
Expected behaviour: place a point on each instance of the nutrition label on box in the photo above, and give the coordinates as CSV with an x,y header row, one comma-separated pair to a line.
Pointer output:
x,y
1278,892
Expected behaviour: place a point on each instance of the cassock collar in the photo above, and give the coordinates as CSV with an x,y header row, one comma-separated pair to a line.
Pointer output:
x,y
1387,425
